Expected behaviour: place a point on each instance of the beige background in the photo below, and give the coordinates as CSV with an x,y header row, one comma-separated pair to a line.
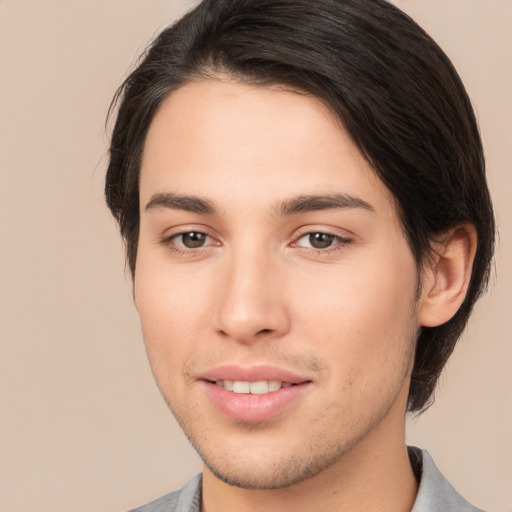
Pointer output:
x,y
82,426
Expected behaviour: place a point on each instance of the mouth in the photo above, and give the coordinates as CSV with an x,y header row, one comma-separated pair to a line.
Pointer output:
x,y
254,395
260,387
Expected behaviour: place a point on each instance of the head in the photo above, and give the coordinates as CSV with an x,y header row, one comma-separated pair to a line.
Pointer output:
x,y
390,85
391,89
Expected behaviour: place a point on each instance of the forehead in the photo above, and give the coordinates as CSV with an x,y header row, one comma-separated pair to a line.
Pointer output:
x,y
219,137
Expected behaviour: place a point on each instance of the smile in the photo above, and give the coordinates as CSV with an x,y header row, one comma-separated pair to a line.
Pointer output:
x,y
254,401
260,387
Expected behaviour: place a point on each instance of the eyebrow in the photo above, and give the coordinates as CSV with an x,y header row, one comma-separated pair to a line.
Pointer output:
x,y
181,202
311,203
292,206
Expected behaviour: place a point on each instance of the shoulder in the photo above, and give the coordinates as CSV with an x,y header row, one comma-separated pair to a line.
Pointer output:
x,y
187,499
435,493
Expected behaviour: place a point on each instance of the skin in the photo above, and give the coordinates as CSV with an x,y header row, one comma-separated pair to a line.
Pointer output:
x,y
255,291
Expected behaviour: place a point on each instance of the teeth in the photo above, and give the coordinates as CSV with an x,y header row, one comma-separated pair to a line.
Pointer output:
x,y
274,385
241,386
260,387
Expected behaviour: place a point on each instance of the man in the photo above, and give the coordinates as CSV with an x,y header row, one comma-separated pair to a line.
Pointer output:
x,y
301,189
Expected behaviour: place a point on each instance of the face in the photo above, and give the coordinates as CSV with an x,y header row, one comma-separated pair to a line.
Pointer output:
x,y
274,284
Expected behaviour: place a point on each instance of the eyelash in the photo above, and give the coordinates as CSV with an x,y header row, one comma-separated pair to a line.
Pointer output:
x,y
338,243
170,244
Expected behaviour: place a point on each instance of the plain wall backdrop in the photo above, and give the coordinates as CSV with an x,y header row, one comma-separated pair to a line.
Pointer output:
x,y
82,425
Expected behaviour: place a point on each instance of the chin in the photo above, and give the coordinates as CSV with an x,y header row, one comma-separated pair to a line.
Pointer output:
x,y
277,478
269,469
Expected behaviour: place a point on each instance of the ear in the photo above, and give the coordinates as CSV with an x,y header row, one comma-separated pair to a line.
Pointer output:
x,y
446,277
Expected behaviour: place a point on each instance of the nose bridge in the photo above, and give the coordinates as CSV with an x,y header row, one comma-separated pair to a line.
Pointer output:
x,y
250,303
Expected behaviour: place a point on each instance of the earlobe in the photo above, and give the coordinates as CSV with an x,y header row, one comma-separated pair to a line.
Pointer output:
x,y
447,276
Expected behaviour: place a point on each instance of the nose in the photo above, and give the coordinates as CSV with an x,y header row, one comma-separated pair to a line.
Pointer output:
x,y
251,299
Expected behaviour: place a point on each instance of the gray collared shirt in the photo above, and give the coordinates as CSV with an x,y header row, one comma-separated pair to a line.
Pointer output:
x,y
435,493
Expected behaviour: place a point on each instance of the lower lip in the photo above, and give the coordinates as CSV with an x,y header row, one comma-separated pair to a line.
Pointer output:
x,y
253,408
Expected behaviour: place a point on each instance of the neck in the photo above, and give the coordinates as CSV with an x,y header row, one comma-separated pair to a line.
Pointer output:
x,y
373,476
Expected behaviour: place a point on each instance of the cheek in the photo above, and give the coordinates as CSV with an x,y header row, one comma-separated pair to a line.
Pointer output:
x,y
172,313
363,318
167,295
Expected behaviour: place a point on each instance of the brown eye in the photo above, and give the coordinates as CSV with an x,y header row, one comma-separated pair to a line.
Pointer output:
x,y
320,240
192,240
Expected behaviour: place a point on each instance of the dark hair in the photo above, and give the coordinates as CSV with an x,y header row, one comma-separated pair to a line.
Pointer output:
x,y
393,88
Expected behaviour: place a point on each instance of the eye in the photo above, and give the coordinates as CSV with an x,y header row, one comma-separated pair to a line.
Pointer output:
x,y
191,240
320,241
190,243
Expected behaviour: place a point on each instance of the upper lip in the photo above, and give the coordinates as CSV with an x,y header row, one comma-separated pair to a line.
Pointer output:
x,y
252,374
